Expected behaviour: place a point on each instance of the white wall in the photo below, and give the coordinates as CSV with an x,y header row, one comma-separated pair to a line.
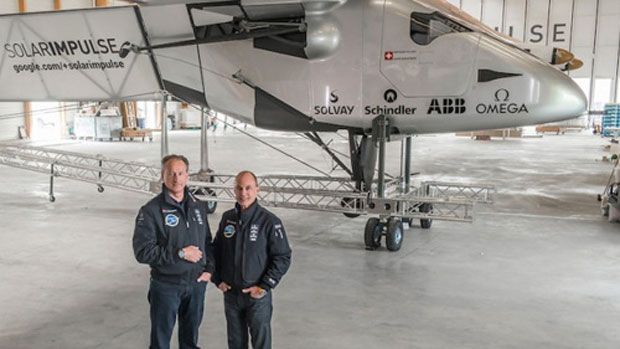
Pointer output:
x,y
588,28
10,119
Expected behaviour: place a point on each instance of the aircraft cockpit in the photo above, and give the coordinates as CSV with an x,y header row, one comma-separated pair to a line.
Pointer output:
x,y
426,27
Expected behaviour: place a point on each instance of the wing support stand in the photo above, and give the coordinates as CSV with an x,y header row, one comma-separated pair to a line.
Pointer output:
x,y
205,174
164,125
387,224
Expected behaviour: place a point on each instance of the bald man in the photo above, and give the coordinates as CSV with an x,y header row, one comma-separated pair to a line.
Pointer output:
x,y
252,255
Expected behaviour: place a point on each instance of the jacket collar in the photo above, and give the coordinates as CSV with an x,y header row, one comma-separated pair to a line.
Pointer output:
x,y
246,215
187,197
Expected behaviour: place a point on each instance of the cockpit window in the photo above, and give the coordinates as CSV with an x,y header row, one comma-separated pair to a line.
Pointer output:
x,y
426,27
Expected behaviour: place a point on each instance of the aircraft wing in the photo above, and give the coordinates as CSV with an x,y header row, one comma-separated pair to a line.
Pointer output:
x,y
73,55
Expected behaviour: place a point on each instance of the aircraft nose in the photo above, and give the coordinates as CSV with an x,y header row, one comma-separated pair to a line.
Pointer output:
x,y
566,100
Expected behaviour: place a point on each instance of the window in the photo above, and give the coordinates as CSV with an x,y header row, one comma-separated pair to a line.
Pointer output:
x,y
584,84
602,94
426,27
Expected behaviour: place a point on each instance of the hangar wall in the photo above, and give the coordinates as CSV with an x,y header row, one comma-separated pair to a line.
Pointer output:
x,y
588,28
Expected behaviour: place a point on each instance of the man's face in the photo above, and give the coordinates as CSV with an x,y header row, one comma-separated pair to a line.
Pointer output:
x,y
245,190
175,176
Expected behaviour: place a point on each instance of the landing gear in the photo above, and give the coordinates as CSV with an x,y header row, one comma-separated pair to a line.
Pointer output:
x,y
394,234
425,223
392,229
367,152
373,233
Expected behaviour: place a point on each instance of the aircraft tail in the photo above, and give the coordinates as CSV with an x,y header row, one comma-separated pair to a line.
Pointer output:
x,y
74,56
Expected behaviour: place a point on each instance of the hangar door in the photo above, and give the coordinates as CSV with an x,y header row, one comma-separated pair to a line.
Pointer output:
x,y
426,53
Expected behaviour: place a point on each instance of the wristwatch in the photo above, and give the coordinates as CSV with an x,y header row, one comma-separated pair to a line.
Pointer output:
x,y
181,253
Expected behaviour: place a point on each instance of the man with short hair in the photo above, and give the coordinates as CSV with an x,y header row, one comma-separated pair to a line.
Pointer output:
x,y
252,255
172,236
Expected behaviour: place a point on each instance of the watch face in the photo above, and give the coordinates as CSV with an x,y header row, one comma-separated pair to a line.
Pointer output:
x,y
181,254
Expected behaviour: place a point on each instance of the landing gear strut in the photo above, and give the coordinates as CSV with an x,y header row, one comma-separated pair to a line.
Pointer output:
x,y
364,150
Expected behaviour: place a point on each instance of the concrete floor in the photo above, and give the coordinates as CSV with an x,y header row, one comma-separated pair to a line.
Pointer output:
x,y
539,269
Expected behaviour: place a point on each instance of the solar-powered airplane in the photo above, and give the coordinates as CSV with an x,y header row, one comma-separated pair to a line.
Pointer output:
x,y
379,69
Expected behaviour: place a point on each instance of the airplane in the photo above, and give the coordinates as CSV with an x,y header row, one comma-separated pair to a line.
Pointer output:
x,y
379,69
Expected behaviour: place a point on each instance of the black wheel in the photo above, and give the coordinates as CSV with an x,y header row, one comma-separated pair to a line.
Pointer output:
x,y
372,233
394,235
425,223
350,202
210,205
52,198
100,188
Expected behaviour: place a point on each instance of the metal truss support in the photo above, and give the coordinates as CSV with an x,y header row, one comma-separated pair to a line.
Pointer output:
x,y
430,200
164,126
204,144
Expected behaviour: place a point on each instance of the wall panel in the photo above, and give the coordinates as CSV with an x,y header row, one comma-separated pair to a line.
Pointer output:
x,y
10,120
560,23
39,5
473,7
493,13
514,19
537,22
456,3
73,4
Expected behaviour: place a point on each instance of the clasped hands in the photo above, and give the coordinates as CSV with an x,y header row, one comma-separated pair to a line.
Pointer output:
x,y
193,254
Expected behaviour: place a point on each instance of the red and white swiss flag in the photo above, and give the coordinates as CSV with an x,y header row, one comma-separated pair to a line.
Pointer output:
x,y
388,55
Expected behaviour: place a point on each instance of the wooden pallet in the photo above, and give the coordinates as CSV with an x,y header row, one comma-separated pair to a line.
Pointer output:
x,y
131,133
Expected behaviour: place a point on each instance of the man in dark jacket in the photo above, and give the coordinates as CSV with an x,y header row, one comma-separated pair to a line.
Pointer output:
x,y
252,254
172,236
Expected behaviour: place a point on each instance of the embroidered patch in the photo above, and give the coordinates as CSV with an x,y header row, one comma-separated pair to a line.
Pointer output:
x,y
253,232
172,220
229,231
198,216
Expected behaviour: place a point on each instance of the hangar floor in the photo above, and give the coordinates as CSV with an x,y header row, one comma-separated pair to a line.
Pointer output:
x,y
539,269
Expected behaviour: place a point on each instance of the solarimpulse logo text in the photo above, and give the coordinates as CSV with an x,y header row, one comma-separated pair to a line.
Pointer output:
x,y
62,48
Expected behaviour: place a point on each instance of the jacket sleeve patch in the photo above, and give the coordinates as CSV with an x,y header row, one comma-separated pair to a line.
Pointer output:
x,y
278,232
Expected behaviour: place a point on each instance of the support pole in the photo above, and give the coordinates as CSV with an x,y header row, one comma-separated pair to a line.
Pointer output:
x,y
382,124
51,193
204,145
403,172
164,126
407,176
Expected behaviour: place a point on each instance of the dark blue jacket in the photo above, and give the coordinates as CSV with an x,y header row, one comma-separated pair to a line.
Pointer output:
x,y
251,249
163,227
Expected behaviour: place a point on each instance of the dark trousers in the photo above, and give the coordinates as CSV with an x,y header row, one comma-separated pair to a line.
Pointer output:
x,y
169,300
245,313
